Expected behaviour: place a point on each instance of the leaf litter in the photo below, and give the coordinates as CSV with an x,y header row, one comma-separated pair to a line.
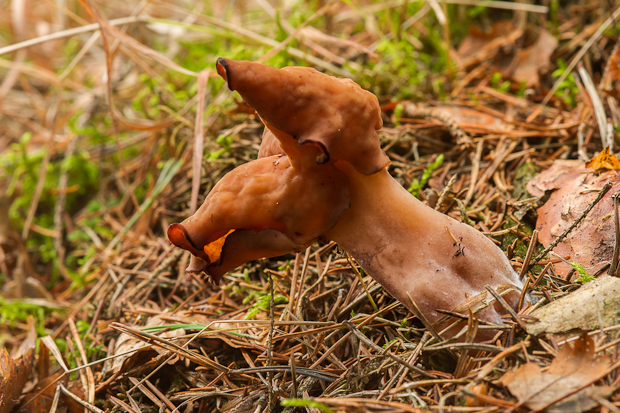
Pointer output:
x,y
156,339
572,369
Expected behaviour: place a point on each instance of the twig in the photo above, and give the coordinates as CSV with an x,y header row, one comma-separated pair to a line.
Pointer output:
x,y
89,406
198,154
445,191
577,221
528,254
67,33
397,359
507,307
291,298
404,370
42,172
410,110
613,267
359,275
423,319
294,375
271,402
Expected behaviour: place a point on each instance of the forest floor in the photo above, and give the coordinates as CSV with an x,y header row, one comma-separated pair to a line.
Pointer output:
x,y
101,149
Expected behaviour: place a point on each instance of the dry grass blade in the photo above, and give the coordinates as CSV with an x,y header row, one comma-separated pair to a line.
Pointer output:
x,y
67,33
203,77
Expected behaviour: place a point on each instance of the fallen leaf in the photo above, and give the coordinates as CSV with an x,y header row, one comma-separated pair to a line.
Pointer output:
x,y
595,305
531,60
572,188
571,370
41,397
611,81
473,120
480,45
522,65
604,160
14,370
127,343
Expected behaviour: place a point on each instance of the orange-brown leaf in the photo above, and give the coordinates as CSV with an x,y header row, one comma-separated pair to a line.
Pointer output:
x,y
604,160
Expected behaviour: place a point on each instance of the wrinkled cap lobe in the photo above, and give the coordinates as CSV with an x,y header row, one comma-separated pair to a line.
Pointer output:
x,y
263,194
333,115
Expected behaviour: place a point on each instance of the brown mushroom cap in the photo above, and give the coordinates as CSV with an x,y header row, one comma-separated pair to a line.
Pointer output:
x,y
335,115
263,194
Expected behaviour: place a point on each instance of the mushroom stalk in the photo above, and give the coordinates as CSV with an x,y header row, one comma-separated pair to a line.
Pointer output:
x,y
411,249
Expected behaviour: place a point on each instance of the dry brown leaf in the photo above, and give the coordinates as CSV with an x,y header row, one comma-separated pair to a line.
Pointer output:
x,y
611,81
523,65
127,343
41,397
574,187
569,372
473,120
479,45
14,371
531,60
603,161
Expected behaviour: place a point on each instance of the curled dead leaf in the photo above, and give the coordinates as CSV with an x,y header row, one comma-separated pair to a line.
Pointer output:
x,y
572,370
14,370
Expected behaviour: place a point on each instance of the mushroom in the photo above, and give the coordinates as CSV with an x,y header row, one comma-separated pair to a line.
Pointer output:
x,y
321,174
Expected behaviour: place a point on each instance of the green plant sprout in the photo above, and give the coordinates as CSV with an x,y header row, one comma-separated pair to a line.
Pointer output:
x,y
568,89
398,113
583,276
262,303
225,141
499,84
306,403
12,311
417,185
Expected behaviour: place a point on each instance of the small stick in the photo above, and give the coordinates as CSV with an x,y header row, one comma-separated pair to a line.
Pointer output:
x,y
577,221
541,275
294,374
359,275
375,347
445,191
291,300
613,267
411,360
528,254
523,292
507,307
87,405
424,320
270,342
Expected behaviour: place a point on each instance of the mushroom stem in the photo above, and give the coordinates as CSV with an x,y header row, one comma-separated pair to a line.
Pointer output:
x,y
410,248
